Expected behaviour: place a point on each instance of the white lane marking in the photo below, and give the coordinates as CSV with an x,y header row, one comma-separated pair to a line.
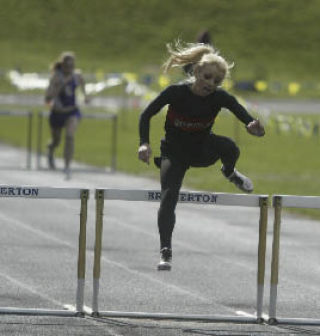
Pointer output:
x,y
171,286
190,247
88,311
30,289
117,264
48,298
40,233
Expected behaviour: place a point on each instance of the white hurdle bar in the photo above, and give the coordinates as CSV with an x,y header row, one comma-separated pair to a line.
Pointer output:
x,y
260,201
279,202
34,192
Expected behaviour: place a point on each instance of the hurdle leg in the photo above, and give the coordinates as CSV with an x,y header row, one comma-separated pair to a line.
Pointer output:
x,y
263,221
39,140
82,251
29,140
275,259
97,250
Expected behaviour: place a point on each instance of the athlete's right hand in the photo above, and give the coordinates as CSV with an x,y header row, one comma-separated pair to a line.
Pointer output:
x,y
144,153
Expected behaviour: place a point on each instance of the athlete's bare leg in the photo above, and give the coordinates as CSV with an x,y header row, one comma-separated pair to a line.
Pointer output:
x,y
55,141
71,127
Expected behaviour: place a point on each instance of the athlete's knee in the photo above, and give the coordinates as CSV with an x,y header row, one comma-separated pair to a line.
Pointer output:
x,y
55,142
71,126
169,197
55,138
69,139
230,158
235,151
231,150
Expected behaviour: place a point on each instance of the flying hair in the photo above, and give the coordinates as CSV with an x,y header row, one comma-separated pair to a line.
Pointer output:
x,y
194,53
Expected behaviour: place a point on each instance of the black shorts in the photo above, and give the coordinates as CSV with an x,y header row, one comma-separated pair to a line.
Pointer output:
x,y
202,153
59,119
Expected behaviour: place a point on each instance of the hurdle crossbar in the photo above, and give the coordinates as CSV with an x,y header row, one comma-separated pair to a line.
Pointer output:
x,y
35,192
196,197
29,115
279,202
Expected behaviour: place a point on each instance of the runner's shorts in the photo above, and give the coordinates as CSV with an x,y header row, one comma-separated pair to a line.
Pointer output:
x,y
59,119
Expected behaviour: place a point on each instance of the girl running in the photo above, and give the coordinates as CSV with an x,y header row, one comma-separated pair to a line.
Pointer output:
x,y
189,141
64,112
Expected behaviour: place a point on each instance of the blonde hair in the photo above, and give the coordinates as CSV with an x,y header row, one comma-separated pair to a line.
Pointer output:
x,y
197,54
63,56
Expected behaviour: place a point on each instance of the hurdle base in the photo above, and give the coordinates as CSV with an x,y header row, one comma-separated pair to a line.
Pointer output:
x,y
186,317
95,314
260,320
294,321
272,321
80,314
37,312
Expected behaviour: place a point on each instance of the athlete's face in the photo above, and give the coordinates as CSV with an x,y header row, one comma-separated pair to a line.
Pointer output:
x,y
207,78
68,65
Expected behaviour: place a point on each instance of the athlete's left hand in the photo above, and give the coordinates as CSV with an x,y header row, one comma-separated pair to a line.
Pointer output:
x,y
144,153
256,128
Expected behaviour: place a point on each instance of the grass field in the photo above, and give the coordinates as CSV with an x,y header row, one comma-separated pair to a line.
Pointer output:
x,y
266,39
279,163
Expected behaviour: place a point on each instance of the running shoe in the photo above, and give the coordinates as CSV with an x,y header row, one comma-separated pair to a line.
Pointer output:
x,y
240,181
67,172
165,259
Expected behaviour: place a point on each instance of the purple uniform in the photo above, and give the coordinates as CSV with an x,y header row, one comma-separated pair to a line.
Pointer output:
x,y
65,98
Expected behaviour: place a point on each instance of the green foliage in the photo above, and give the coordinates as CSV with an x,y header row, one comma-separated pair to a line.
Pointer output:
x,y
265,38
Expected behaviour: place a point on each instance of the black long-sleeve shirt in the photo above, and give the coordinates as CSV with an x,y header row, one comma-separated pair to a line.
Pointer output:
x,y
189,116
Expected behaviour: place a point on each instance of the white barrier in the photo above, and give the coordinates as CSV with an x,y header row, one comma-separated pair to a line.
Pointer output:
x,y
29,116
35,192
98,116
279,202
260,201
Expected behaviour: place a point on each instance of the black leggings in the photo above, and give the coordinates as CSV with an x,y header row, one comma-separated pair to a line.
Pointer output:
x,y
172,172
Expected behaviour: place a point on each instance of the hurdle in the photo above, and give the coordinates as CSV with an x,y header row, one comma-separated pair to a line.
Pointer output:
x,y
29,116
34,192
279,202
98,116
224,199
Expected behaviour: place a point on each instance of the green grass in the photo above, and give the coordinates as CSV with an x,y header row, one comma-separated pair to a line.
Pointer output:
x,y
279,163
274,40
